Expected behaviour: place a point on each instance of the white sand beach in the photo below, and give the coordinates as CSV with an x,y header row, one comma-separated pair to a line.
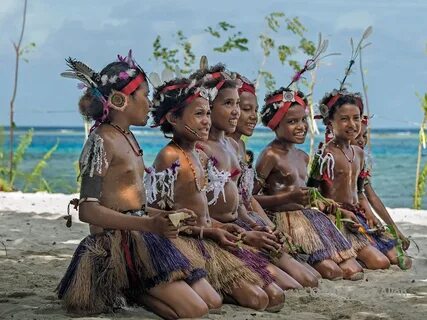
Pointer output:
x,y
36,247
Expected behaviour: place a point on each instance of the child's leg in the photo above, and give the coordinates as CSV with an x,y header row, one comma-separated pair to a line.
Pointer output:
x,y
297,271
373,258
207,293
180,298
312,270
157,306
329,270
392,256
276,297
352,270
250,296
282,279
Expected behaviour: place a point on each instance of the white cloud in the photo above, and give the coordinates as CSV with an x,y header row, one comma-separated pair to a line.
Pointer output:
x,y
354,20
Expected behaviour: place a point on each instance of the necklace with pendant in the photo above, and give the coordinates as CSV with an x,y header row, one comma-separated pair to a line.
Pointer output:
x,y
125,133
190,163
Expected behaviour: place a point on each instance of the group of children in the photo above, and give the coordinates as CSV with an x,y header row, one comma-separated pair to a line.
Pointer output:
x,y
205,225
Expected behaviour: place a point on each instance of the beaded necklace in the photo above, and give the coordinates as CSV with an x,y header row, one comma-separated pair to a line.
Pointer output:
x,y
196,181
138,152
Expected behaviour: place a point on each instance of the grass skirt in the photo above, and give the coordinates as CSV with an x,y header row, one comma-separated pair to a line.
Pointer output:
x,y
315,235
337,247
382,241
225,271
113,267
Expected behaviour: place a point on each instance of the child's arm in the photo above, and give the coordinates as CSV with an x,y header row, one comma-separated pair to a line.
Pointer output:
x,y
382,211
95,161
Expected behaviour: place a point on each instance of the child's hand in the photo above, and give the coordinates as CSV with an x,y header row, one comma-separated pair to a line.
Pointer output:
x,y
232,228
261,240
354,225
160,223
224,238
405,241
301,196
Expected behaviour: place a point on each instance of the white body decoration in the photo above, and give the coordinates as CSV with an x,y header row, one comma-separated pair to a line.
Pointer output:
x,y
216,181
93,158
162,182
246,182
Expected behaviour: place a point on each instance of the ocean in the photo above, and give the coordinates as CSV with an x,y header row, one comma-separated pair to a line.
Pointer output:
x,y
394,153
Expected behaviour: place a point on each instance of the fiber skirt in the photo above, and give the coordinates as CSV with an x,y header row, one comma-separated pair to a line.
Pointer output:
x,y
315,235
111,268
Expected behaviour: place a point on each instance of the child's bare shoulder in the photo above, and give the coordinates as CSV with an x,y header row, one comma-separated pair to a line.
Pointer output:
x,y
233,143
165,158
269,153
205,147
303,155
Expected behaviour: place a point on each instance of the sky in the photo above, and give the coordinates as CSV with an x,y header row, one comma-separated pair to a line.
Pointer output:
x,y
96,31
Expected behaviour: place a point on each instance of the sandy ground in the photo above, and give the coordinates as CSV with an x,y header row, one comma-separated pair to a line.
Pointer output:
x,y
36,248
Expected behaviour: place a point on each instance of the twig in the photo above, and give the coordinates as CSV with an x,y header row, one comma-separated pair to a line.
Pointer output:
x,y
5,248
17,48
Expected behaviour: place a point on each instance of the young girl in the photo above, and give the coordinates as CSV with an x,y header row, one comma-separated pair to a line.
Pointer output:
x,y
373,199
282,172
226,206
340,165
128,257
184,112
245,126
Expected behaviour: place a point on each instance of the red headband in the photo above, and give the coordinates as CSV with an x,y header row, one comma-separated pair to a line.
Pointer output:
x,y
131,86
246,87
286,98
335,98
187,101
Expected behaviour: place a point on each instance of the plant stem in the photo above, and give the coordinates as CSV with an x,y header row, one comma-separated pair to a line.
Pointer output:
x,y
417,195
12,100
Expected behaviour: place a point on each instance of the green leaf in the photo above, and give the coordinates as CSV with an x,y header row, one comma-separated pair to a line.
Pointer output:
x,y
36,173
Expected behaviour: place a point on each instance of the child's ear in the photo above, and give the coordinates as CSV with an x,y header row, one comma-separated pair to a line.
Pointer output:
x,y
171,118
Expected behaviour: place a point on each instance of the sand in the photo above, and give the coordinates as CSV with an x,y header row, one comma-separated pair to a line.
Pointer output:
x,y
36,247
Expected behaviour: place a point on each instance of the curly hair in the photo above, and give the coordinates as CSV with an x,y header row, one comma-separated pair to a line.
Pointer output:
x,y
268,111
344,98
203,79
165,101
90,106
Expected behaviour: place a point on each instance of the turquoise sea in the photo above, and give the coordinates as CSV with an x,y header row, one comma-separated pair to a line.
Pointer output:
x,y
394,153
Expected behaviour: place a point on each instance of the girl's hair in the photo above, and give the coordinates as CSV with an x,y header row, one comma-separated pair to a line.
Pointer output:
x,y
165,100
204,79
344,98
90,106
269,110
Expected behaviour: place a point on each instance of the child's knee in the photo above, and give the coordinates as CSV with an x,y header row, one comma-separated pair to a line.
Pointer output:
x,y
258,300
309,280
378,262
332,273
193,310
214,301
275,294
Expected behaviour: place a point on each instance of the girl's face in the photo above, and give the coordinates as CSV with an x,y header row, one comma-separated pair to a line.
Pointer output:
x,y
226,110
195,122
248,114
293,127
139,105
346,122
362,138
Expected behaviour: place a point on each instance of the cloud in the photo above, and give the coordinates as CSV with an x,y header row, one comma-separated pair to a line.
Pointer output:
x,y
354,20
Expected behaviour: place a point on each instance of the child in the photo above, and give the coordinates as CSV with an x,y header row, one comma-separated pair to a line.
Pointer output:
x,y
373,199
129,258
183,111
245,126
339,165
282,171
226,206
